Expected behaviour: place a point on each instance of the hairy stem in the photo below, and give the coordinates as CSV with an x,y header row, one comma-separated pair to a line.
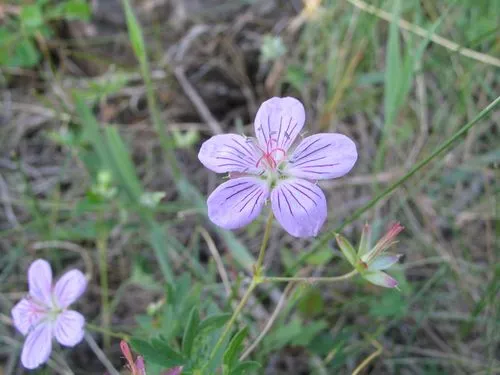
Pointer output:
x,y
265,240
118,335
256,279
309,279
103,277
370,358
235,315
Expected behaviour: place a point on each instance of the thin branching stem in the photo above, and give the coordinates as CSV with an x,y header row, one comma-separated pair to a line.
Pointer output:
x,y
420,31
311,280
100,355
357,214
118,335
235,315
370,358
265,240
255,281
103,278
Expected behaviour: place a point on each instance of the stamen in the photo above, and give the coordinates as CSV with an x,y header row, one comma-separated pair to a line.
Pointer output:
x,y
268,155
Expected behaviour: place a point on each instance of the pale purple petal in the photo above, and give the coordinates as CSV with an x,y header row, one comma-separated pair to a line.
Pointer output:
x,y
174,371
69,288
278,122
322,156
381,278
383,262
230,153
237,202
299,206
26,314
40,281
68,329
139,363
38,345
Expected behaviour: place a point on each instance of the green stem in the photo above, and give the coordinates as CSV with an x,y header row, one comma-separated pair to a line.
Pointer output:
x,y
235,315
110,333
310,279
357,214
103,276
139,47
265,240
256,279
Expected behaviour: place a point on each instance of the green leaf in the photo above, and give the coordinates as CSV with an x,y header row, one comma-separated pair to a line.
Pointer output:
x,y
488,299
113,155
158,352
297,77
321,258
393,73
31,16
247,367
234,348
365,241
213,322
158,241
282,335
111,150
391,304
309,333
24,54
311,304
190,332
347,249
174,357
123,163
135,32
76,10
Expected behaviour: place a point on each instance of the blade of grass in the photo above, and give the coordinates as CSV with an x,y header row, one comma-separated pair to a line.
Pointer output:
x,y
487,299
387,192
158,241
448,44
123,163
113,155
110,150
184,187
139,47
394,70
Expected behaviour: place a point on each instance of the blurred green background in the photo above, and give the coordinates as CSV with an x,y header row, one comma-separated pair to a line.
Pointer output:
x,y
99,135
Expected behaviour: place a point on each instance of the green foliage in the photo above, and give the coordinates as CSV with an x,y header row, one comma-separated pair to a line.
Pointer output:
x,y
234,349
294,333
182,332
18,46
190,331
158,352
311,304
391,304
331,328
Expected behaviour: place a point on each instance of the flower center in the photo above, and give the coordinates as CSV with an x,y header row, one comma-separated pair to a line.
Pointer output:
x,y
272,156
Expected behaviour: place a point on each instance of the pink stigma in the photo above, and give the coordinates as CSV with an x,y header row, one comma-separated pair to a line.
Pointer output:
x,y
267,155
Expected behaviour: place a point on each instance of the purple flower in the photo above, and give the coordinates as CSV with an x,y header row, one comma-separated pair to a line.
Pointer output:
x,y
271,167
43,314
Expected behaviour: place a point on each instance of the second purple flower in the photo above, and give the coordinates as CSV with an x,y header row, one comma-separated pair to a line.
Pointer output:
x,y
270,167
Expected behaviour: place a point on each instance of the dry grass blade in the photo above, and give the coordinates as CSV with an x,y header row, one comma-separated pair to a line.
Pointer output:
x,y
218,260
448,44
270,322
198,102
